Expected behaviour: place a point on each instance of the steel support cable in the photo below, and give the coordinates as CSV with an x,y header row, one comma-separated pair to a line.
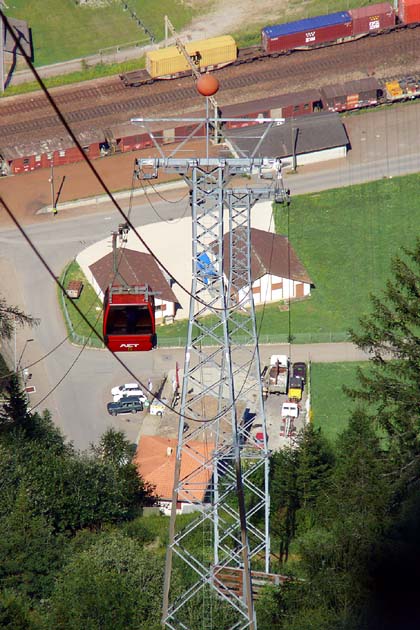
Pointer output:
x,y
73,363
169,222
159,194
60,343
87,160
94,331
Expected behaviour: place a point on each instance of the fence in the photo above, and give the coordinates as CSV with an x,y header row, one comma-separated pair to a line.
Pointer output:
x,y
297,338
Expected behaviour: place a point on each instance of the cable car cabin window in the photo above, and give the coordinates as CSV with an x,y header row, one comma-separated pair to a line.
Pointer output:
x,y
132,319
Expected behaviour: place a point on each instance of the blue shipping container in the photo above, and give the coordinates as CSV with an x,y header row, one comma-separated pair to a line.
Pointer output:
x,y
308,24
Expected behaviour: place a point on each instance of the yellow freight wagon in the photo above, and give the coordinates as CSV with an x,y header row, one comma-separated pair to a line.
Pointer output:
x,y
211,53
393,89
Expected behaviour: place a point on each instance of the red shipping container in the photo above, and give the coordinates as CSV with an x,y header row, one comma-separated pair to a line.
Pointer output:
x,y
310,38
409,11
306,33
373,18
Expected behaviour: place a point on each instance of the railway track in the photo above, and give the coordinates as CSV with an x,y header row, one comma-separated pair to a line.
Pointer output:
x,y
107,101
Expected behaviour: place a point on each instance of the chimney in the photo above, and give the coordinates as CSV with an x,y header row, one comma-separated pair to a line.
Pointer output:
x,y
169,451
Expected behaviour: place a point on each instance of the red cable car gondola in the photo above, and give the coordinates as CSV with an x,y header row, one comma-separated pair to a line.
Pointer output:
x,y
129,319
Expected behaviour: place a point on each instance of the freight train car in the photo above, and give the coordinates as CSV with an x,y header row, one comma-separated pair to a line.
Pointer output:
x,y
322,30
347,96
409,11
351,95
306,33
402,89
290,105
207,54
373,18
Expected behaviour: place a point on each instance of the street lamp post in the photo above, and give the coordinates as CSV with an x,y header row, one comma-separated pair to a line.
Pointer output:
x,y
51,180
21,354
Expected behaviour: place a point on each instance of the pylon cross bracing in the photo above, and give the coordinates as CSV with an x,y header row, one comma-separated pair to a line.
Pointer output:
x,y
220,402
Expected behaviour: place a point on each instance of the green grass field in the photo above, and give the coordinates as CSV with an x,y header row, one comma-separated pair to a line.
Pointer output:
x,y
88,303
63,30
330,406
346,238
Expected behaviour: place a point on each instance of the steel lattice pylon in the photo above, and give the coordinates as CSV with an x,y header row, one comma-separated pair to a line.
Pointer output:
x,y
221,387
221,398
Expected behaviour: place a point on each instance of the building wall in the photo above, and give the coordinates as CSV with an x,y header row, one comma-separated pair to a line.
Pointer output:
x,y
315,157
273,289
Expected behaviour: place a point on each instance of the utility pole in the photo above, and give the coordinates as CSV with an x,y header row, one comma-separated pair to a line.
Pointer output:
x,y
51,180
3,32
295,133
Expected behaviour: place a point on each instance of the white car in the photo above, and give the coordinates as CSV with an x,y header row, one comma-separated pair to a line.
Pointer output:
x,y
129,389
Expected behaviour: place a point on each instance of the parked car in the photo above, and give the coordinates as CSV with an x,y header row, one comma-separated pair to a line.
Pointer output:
x,y
129,389
259,438
299,369
127,404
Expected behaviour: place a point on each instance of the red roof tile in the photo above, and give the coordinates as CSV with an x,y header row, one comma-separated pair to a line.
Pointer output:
x,y
155,461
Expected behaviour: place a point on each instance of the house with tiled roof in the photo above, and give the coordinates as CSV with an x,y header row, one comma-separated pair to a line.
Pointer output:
x,y
155,461
276,271
137,268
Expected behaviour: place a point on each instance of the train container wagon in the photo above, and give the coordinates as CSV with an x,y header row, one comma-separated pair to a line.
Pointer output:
x,y
375,17
207,53
409,11
351,95
283,106
306,33
402,90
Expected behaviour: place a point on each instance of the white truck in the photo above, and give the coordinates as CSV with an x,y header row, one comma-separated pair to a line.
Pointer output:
x,y
289,410
275,375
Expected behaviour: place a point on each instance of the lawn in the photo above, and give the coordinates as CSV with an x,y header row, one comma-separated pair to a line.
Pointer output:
x,y
331,407
63,30
88,303
345,238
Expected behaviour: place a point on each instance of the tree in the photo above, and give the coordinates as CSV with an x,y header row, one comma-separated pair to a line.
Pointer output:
x,y
297,478
15,612
114,448
284,498
391,335
12,315
352,518
315,460
15,414
30,554
115,584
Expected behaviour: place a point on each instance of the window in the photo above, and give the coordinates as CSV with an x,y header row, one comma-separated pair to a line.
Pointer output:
x,y
306,106
62,154
296,108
